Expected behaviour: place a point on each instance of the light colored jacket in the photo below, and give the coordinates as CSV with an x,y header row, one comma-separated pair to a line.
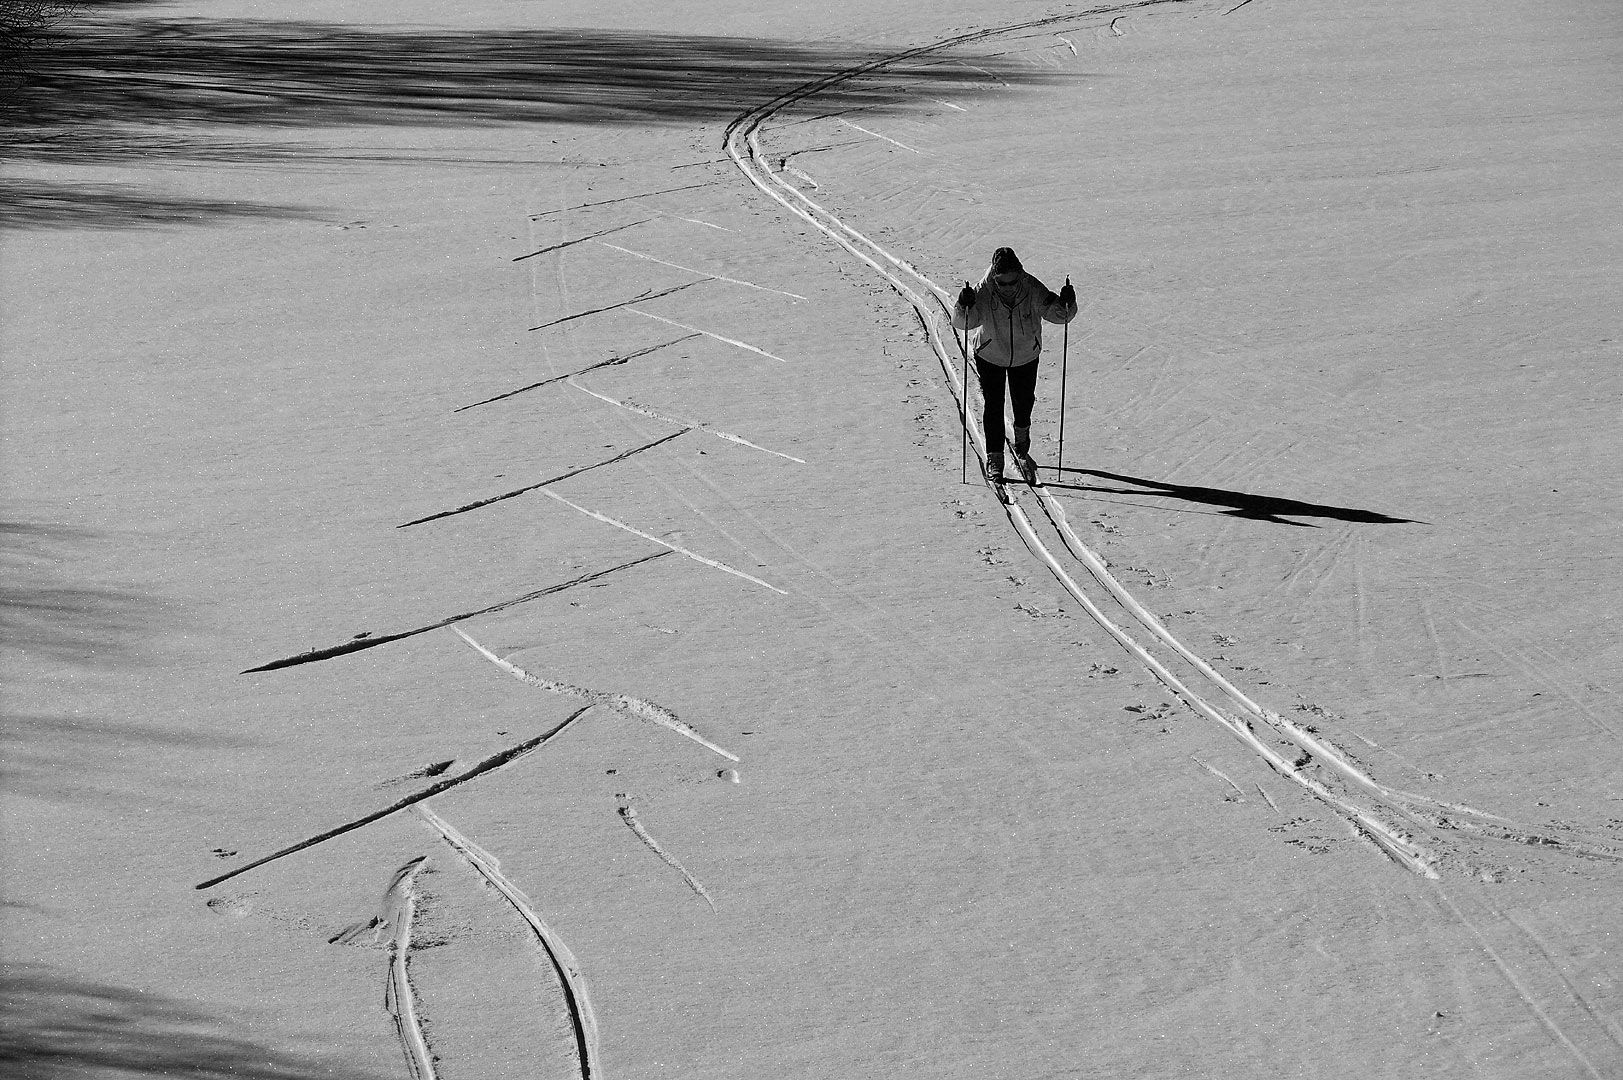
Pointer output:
x,y
1009,333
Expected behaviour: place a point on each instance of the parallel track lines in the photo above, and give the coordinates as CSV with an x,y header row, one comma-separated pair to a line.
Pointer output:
x,y
743,144
579,1003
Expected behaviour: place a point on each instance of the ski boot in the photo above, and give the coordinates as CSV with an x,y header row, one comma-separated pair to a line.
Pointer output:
x,y
1022,456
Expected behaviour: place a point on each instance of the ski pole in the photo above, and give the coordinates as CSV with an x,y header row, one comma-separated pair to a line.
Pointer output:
x,y
963,448
1064,362
963,462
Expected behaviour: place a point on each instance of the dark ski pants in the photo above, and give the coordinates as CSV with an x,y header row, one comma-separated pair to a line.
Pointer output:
x,y
1022,382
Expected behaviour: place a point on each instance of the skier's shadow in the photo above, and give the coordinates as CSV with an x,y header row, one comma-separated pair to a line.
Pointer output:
x,y
1239,503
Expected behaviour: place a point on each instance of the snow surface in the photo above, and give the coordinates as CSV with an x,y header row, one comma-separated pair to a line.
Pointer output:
x,y
1278,736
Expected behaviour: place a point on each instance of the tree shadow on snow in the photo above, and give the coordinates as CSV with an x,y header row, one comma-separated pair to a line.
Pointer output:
x,y
45,612
115,91
59,630
1240,504
26,204
53,1028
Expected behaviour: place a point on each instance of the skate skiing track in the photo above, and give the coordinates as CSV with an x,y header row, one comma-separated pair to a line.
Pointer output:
x,y
563,961
628,814
1430,817
1361,793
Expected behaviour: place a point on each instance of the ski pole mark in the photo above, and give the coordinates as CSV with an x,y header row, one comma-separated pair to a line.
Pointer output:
x,y
708,334
628,198
495,761
629,814
692,425
536,487
578,1002
613,361
372,642
625,705
582,239
639,298
691,270
1238,794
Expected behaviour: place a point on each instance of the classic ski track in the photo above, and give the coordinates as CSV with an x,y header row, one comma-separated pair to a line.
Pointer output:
x,y
573,982
399,999
1432,817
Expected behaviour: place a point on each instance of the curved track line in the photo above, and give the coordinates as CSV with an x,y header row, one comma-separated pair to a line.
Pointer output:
x,y
564,963
635,708
757,169
398,997
742,143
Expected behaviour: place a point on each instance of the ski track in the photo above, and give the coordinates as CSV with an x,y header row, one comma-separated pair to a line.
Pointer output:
x,y
625,705
612,361
538,486
686,425
1344,787
691,270
495,761
709,334
369,641
579,1003
645,295
401,904
1355,795
1559,1009
628,814
607,520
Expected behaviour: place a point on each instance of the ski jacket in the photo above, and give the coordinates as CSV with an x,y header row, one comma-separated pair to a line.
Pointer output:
x,y
1008,327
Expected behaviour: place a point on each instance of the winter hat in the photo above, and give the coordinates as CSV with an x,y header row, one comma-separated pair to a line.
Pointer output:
x,y
1004,260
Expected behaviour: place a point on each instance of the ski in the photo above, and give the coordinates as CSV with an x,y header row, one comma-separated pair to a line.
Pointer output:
x,y
1028,469
998,486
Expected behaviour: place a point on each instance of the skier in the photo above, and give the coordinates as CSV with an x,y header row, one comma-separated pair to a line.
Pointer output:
x,y
1007,309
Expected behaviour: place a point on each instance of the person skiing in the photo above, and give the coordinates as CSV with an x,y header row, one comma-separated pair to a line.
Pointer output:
x,y
1006,310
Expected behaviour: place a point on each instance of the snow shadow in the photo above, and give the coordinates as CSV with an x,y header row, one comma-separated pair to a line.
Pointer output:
x,y
31,204
60,631
45,613
79,758
122,90
1239,504
53,1028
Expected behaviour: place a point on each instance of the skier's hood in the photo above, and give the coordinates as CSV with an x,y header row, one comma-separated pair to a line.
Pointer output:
x,y
1004,260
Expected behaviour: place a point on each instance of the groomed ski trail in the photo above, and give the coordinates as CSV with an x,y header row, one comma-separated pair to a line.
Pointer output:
x,y
1385,816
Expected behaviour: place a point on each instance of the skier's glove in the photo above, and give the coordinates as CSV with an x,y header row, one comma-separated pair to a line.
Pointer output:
x,y
966,298
1067,294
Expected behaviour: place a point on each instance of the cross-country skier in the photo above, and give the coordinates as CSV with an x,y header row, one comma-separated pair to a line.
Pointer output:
x,y
1006,310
